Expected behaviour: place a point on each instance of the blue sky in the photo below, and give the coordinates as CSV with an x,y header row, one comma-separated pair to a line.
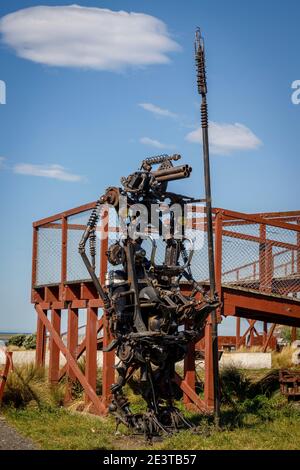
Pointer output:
x,y
99,121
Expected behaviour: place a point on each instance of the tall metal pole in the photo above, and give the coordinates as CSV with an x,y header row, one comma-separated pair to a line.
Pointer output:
x,y
202,89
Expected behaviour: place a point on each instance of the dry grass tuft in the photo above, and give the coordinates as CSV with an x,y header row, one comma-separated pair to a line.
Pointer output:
x,y
282,359
252,349
27,385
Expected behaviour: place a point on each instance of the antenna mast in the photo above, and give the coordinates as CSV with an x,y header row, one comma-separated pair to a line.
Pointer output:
x,y
202,89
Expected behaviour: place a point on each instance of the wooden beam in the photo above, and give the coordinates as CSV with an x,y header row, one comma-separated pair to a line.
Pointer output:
x,y
72,343
209,389
195,399
53,347
91,349
189,371
270,334
99,407
80,350
108,375
40,351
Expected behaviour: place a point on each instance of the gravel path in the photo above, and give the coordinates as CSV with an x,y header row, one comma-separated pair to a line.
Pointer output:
x,y
11,439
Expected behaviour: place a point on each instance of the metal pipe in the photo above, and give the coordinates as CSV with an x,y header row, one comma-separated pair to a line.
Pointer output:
x,y
172,170
202,89
132,278
173,177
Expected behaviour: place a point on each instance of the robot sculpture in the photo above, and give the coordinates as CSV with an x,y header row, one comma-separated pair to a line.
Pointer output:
x,y
151,320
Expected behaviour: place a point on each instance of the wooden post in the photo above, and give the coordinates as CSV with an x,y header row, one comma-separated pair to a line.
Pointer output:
x,y
209,379
40,352
108,372
294,334
189,371
53,348
269,268
265,330
72,343
238,332
91,348
64,244
262,257
298,250
209,389
34,260
218,259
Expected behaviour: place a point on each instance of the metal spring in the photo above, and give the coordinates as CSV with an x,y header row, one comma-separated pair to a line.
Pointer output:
x,y
92,241
201,72
200,63
204,114
94,217
156,159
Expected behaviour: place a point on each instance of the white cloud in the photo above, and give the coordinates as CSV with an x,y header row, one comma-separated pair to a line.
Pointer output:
x,y
226,138
47,171
152,108
94,38
155,143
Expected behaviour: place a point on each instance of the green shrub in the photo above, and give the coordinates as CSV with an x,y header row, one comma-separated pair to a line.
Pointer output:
x,y
16,340
30,342
25,384
234,384
286,333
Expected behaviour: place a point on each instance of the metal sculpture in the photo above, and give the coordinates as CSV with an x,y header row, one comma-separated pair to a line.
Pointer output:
x,y
150,318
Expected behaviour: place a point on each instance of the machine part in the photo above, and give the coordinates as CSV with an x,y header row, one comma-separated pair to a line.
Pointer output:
x,y
158,160
115,254
290,383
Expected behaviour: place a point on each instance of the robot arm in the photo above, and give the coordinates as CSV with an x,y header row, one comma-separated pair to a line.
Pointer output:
x,y
110,197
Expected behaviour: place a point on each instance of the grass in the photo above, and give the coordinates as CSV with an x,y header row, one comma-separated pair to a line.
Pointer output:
x,y
60,429
27,385
255,425
283,359
259,436
254,415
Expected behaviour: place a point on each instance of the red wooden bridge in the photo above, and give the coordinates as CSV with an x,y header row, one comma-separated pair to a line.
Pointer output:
x,y
257,263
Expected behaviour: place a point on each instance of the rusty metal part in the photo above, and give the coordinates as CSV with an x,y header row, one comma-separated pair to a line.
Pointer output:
x,y
186,169
289,383
159,160
145,305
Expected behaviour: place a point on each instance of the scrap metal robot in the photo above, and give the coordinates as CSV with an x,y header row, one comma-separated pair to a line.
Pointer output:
x,y
151,320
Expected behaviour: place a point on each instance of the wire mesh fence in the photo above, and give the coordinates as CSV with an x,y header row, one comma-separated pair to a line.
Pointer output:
x,y
261,257
256,256
49,253
76,269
